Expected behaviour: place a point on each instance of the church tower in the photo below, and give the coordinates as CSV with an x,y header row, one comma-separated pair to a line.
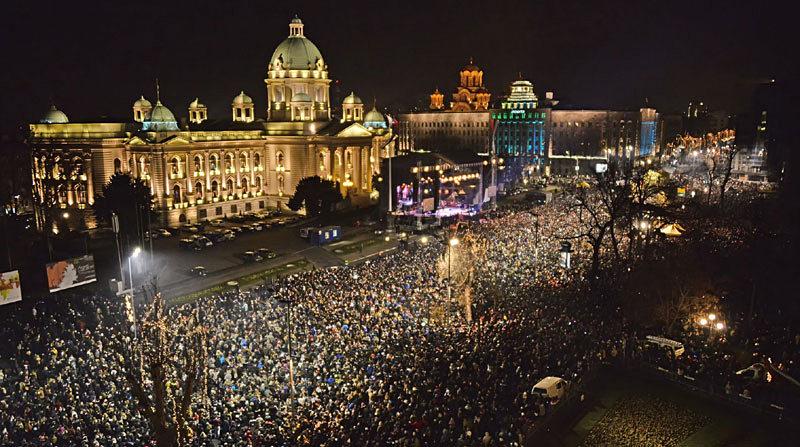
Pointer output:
x,y
470,95
437,100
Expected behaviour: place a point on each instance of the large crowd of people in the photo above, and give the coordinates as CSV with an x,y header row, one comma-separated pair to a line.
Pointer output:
x,y
379,355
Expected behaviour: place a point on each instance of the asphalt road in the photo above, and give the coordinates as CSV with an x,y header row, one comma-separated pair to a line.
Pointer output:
x,y
223,261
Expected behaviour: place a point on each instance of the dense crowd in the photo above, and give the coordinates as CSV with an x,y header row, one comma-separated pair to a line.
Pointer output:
x,y
644,421
371,366
380,356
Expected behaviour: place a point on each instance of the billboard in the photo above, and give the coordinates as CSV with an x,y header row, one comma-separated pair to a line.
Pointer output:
x,y
10,290
70,273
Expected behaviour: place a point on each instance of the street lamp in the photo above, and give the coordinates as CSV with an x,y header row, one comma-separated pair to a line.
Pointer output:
x,y
65,215
703,322
424,239
712,317
719,326
135,254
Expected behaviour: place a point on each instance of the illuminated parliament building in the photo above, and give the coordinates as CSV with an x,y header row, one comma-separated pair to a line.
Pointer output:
x,y
199,169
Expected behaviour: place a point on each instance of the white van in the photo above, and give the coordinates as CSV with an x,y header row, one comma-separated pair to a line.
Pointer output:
x,y
676,346
551,387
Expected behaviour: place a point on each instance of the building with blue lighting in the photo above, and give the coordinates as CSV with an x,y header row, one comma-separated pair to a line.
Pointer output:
x,y
520,131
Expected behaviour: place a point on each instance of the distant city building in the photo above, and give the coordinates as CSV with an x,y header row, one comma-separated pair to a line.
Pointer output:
x,y
465,126
207,169
521,131
470,94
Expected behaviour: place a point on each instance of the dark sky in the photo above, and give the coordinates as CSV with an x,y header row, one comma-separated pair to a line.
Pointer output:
x,y
96,58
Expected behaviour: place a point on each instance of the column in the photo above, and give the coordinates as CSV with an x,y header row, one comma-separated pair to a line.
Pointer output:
x,y
251,161
355,175
89,181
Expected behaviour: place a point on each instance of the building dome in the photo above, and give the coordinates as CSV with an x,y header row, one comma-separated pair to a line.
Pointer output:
x,y
374,116
352,99
301,97
470,66
196,104
242,99
143,103
296,52
55,116
160,118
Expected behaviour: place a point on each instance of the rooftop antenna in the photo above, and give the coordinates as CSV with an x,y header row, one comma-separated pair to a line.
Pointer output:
x,y
158,92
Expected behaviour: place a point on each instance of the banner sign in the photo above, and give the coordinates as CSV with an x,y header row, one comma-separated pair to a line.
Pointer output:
x,y
10,290
70,273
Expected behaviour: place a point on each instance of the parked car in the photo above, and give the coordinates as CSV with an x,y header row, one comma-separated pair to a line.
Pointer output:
x,y
215,236
266,253
215,223
250,256
191,228
203,242
198,270
248,228
229,235
236,229
306,232
256,226
187,243
161,232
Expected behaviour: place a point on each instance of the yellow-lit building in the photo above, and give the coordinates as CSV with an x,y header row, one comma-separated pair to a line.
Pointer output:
x,y
201,169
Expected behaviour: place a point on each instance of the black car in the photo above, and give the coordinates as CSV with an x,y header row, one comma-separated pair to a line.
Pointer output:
x,y
187,243
198,270
266,253
250,256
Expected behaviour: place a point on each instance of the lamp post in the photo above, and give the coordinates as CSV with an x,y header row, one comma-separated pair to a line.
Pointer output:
x,y
453,243
135,254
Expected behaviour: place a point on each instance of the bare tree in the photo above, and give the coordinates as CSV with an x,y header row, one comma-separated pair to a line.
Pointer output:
x,y
166,370
459,263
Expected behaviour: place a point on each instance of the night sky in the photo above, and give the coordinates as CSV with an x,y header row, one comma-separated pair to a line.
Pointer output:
x,y
95,58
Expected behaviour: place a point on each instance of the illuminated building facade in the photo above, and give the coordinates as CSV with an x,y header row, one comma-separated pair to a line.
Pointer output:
x,y
465,126
521,131
207,169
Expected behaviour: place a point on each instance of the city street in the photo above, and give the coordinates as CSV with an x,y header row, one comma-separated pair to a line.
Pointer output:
x,y
224,262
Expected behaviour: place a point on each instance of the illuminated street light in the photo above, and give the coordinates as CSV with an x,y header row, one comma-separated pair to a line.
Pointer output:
x,y
453,242
703,322
719,326
135,254
712,317
65,215
387,238
424,239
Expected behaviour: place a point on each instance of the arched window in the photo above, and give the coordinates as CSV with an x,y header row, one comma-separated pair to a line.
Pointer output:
x,y
229,163
279,159
243,165
245,188
62,193
213,163
198,189
229,186
176,194
256,160
198,163
80,194
214,189
131,164
175,166
258,184
117,165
